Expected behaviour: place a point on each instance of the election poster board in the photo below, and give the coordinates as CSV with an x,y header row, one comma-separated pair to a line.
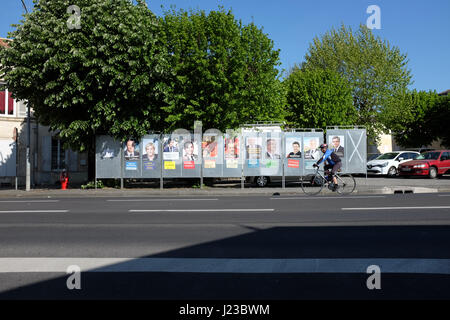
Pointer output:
x,y
107,157
212,155
293,155
131,151
351,146
232,155
311,153
151,157
171,161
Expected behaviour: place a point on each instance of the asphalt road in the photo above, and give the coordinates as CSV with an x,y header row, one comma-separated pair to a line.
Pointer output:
x,y
241,247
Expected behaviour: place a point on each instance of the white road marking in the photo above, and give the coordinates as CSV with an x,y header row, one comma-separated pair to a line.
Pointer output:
x,y
224,265
167,200
35,211
26,201
319,197
395,208
205,210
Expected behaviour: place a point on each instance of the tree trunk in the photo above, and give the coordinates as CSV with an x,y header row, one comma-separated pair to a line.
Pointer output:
x,y
91,159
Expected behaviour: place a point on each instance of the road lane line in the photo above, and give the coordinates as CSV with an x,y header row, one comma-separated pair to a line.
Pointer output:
x,y
395,208
141,200
224,265
27,201
320,197
204,210
34,211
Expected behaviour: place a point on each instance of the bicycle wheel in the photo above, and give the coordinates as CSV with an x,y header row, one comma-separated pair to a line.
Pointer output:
x,y
346,182
312,184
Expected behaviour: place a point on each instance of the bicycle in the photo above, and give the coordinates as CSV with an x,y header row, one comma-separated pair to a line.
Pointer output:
x,y
313,184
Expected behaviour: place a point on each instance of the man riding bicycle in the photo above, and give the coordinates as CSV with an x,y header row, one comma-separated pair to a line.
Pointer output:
x,y
332,161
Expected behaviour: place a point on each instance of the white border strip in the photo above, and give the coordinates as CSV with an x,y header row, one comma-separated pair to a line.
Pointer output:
x,y
206,210
166,200
26,201
395,208
214,265
35,211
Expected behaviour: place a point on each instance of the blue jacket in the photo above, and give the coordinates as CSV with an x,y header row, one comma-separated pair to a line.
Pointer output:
x,y
330,157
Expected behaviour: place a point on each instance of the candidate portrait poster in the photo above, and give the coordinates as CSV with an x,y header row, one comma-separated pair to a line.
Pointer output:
x,y
311,148
131,155
293,147
253,147
171,148
210,147
150,156
337,143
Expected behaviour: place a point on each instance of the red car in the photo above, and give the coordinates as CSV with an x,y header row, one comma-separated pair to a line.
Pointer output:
x,y
431,164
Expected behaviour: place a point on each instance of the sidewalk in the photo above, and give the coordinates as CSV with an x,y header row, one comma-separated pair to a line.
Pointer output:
x,y
373,185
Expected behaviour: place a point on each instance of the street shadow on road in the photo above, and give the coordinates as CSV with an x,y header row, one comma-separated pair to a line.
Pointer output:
x,y
356,242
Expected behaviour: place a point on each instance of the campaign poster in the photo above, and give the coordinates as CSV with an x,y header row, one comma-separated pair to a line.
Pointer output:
x,y
309,165
131,150
210,147
337,143
232,149
108,152
272,163
292,163
131,165
169,165
190,150
293,148
171,148
188,164
253,163
231,163
253,147
210,164
273,149
310,149
150,155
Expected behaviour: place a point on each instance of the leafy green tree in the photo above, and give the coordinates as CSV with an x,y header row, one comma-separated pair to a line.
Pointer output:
x,y
375,69
412,117
318,98
106,77
224,72
439,120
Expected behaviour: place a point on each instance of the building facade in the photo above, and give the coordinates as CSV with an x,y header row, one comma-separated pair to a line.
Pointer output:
x,y
48,157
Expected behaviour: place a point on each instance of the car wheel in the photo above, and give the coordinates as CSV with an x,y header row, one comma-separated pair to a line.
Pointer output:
x,y
261,181
392,172
433,173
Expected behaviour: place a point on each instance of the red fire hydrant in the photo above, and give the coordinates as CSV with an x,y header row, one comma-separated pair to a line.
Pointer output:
x,y
64,178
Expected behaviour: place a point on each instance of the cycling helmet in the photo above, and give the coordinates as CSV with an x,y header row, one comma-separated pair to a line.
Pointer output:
x,y
323,145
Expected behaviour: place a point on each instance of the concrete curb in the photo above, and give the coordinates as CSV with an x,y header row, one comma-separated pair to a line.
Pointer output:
x,y
73,193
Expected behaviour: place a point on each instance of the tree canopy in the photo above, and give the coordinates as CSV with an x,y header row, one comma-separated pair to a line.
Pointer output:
x,y
224,71
375,69
417,118
107,77
317,98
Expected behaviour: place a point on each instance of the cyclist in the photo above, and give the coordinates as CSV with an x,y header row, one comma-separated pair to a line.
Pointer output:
x,y
332,161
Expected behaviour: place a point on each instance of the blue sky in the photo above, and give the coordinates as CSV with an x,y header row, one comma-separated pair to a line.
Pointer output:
x,y
419,28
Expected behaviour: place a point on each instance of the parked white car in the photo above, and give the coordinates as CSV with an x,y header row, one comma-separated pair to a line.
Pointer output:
x,y
387,163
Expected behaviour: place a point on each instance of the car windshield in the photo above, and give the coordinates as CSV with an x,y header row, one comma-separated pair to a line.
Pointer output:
x,y
429,156
387,156
372,157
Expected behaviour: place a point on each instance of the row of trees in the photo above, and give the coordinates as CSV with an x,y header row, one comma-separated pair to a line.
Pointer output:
x,y
352,78
126,72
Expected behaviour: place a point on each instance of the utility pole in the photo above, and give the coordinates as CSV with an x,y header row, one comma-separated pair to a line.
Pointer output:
x,y
28,163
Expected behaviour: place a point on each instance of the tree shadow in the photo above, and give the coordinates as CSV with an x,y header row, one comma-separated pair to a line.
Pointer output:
x,y
175,281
